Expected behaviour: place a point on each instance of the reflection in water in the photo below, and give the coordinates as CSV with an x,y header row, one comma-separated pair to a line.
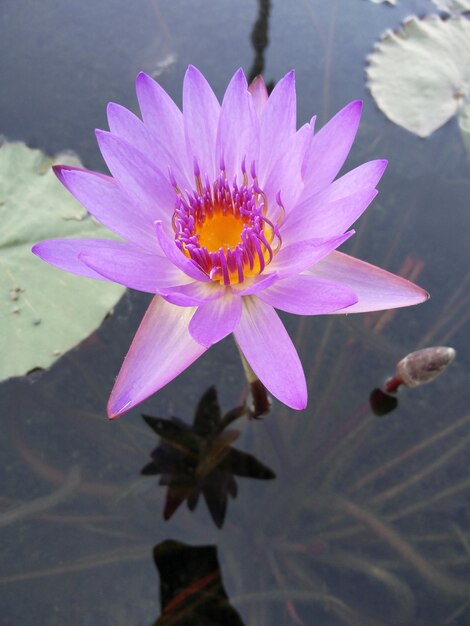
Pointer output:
x,y
191,588
365,537
200,460
260,41
382,403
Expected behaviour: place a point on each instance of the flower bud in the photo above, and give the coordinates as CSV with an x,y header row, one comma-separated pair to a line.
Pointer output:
x,y
423,366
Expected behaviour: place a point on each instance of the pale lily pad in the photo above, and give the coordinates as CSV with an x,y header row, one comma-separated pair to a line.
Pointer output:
x,y
453,6
464,124
44,312
420,75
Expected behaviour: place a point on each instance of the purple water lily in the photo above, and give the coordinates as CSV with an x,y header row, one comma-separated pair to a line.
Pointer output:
x,y
227,212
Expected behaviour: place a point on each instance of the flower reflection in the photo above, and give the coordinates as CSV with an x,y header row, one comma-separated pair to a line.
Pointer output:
x,y
191,587
199,459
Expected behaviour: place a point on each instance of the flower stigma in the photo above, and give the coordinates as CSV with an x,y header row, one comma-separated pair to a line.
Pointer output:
x,y
223,227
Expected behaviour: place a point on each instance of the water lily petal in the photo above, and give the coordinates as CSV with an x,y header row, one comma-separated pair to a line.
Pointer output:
x,y
270,352
215,320
308,295
65,253
109,203
174,254
123,123
255,284
141,178
330,147
133,268
375,288
201,111
314,219
194,293
238,131
302,255
365,176
162,348
277,123
165,122
259,93
362,178
285,177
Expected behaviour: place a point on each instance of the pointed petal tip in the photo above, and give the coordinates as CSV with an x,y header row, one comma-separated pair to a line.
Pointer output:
x,y
298,404
36,249
117,407
353,108
193,70
356,104
416,295
111,107
290,76
425,295
101,134
382,165
142,77
297,400
60,170
259,78
239,75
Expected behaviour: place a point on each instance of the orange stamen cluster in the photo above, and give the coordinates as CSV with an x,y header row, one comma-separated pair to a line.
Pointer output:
x,y
223,228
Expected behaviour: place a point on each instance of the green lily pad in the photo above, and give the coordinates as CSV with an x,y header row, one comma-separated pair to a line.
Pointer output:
x,y
44,312
419,76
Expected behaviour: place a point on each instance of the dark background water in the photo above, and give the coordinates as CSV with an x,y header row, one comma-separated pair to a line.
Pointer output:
x,y
337,537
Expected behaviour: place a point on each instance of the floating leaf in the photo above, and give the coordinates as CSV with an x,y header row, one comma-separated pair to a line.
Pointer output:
x,y
464,124
453,6
44,312
420,75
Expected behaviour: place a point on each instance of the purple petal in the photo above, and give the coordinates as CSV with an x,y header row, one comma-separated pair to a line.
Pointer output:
x,y
285,175
375,288
313,218
65,253
138,175
366,176
215,320
307,295
362,178
162,348
165,121
254,284
259,93
238,131
278,123
193,294
298,257
270,352
330,147
201,111
107,201
133,268
174,254
129,127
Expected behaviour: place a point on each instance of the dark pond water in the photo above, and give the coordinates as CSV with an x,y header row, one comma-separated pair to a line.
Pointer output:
x,y
367,520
